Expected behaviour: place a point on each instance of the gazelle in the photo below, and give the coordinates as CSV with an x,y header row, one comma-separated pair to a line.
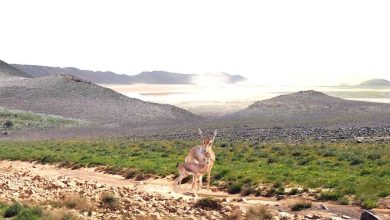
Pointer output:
x,y
197,170
197,154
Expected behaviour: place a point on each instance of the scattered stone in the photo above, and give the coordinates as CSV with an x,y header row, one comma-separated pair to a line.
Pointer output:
x,y
323,206
18,183
312,216
367,215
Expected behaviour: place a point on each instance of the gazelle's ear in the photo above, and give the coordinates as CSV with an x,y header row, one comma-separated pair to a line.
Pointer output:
x,y
201,134
215,134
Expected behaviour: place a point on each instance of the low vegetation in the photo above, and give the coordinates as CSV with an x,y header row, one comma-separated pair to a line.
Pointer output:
x,y
78,203
340,171
18,211
300,206
258,213
61,210
16,119
109,200
208,204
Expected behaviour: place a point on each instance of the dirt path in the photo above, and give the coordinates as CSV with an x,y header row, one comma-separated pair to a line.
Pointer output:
x,y
163,188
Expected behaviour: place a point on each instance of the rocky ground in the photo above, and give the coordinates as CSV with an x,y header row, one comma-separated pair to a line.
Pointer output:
x,y
49,186
360,134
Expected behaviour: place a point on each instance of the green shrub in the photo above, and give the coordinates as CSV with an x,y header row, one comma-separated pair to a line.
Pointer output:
x,y
13,210
300,206
235,188
30,214
369,204
330,195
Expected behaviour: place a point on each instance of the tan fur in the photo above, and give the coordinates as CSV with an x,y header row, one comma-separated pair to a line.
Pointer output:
x,y
197,170
196,153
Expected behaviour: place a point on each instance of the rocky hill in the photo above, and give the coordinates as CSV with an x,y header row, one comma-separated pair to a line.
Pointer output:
x,y
100,77
8,71
309,107
71,97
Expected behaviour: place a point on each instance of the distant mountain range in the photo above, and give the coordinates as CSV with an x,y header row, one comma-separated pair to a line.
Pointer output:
x,y
375,83
309,107
369,84
99,77
72,97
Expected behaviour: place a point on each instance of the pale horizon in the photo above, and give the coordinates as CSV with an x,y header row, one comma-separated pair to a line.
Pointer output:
x,y
273,43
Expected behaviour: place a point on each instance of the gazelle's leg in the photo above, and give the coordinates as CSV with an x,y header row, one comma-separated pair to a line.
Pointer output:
x,y
175,184
194,178
209,174
200,182
182,176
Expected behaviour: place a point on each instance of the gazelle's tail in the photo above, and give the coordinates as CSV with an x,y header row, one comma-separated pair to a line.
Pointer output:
x,y
177,164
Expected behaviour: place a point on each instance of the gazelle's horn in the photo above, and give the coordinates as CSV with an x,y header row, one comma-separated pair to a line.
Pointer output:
x,y
201,134
215,134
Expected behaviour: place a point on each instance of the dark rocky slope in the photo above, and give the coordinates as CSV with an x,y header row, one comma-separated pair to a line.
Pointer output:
x,y
309,108
72,97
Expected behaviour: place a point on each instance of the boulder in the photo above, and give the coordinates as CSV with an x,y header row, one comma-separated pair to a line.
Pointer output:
x,y
366,215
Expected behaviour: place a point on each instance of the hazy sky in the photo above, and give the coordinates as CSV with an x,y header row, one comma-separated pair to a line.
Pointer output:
x,y
284,42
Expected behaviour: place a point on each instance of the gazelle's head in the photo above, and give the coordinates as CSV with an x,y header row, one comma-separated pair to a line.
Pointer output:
x,y
208,142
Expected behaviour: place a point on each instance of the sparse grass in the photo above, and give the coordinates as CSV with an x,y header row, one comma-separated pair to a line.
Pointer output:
x,y
16,119
343,168
78,203
300,206
258,213
208,204
60,214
